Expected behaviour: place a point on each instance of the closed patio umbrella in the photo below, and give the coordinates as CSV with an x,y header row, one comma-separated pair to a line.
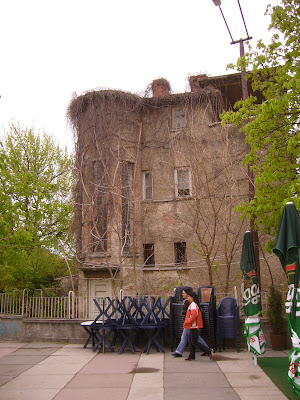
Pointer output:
x,y
251,299
287,249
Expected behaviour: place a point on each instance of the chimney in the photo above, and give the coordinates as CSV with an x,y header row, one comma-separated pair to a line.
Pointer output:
x,y
160,88
195,84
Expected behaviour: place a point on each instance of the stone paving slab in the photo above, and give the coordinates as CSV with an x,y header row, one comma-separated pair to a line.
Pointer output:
x,y
95,393
11,359
245,379
63,360
64,369
139,393
5,378
265,397
101,381
232,355
41,345
63,372
238,366
274,353
4,352
13,370
45,351
111,366
37,382
261,392
11,345
191,366
152,380
35,394
74,351
205,379
203,393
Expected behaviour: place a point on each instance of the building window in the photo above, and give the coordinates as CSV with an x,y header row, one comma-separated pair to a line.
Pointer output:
x,y
180,252
178,118
149,255
147,185
183,182
127,204
99,208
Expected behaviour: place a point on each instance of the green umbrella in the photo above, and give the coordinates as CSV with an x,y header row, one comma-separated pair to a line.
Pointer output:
x,y
251,298
287,249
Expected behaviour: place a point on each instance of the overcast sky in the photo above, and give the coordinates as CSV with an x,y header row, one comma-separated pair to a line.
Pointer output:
x,y
53,49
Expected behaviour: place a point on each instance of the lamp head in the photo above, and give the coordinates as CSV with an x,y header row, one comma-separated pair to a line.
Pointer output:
x,y
217,2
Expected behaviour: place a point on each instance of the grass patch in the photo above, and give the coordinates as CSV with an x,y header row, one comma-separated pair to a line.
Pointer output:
x,y
277,368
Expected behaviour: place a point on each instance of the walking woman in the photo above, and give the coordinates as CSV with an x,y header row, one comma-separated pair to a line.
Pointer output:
x,y
193,322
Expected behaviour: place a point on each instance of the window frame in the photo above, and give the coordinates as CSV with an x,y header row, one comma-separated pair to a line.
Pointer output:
x,y
150,257
177,126
180,253
189,188
145,187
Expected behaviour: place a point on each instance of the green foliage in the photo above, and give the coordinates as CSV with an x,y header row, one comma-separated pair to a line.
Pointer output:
x,y
32,270
275,313
35,208
272,128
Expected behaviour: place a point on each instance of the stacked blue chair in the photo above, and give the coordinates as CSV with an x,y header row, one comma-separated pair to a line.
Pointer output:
x,y
228,321
155,319
207,300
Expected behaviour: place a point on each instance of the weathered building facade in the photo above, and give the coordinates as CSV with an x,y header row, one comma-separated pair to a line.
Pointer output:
x,y
158,179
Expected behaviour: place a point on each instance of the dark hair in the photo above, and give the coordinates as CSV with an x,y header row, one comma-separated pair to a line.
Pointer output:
x,y
188,290
195,298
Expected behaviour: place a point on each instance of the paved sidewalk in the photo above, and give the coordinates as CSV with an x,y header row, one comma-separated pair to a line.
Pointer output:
x,y
46,371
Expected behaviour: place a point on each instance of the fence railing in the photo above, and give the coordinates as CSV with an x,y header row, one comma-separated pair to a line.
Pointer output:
x,y
71,306
66,307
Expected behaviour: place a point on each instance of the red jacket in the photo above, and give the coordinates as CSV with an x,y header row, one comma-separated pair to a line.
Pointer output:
x,y
193,318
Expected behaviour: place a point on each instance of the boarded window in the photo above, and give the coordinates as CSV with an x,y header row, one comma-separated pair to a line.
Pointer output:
x,y
178,120
149,255
180,252
99,218
127,203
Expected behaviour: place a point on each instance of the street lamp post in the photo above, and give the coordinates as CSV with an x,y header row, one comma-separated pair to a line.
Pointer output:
x,y
245,95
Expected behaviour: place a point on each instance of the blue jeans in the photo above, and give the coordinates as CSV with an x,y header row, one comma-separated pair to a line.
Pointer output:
x,y
184,339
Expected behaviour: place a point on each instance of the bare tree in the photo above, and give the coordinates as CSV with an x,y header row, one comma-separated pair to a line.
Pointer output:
x,y
218,185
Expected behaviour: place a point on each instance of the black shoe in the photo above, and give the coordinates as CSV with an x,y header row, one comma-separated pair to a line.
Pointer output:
x,y
203,354
189,359
176,355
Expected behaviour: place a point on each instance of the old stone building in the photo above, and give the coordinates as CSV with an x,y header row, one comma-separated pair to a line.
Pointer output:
x,y
157,182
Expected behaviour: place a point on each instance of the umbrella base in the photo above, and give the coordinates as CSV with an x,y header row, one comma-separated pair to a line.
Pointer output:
x,y
278,342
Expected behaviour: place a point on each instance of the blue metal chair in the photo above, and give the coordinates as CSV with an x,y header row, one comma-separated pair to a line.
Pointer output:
x,y
104,322
126,324
154,322
228,321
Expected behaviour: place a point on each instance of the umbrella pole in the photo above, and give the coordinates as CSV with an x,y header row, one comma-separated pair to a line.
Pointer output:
x,y
255,359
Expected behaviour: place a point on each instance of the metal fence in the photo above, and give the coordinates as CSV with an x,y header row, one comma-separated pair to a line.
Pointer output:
x,y
71,306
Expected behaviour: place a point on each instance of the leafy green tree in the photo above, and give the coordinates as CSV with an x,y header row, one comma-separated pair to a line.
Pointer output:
x,y
272,127
35,208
